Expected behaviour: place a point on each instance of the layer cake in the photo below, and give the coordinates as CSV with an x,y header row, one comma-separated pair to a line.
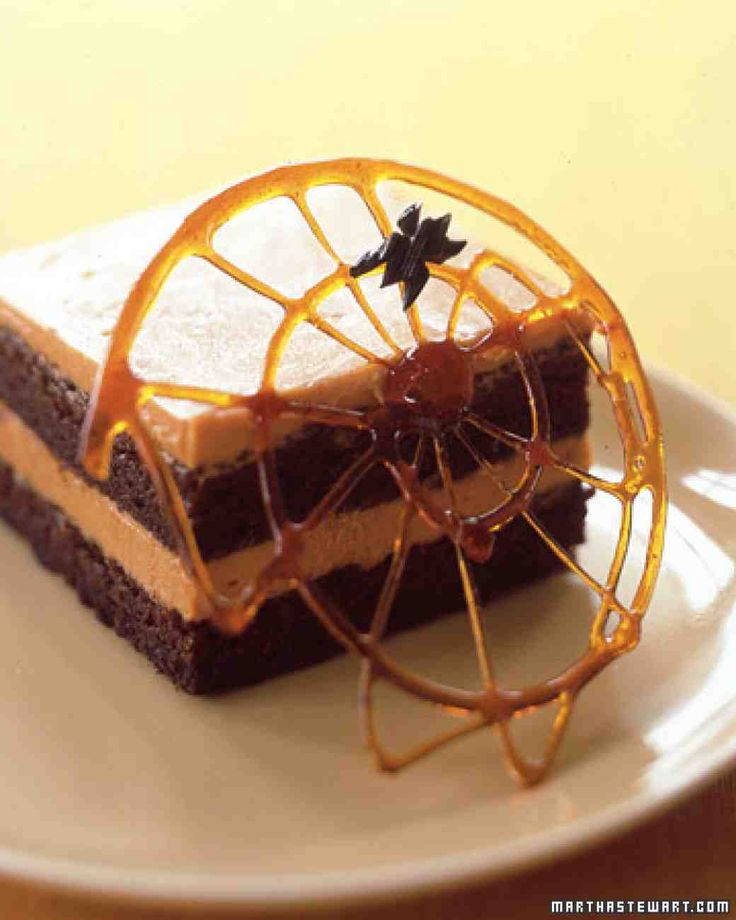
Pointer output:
x,y
110,539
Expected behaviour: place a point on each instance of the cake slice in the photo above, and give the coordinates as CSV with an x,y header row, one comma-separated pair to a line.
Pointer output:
x,y
110,539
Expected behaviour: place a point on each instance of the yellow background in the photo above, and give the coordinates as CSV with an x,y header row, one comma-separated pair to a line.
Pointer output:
x,y
613,123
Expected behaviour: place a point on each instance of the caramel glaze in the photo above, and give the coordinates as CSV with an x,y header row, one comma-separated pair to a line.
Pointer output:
x,y
427,391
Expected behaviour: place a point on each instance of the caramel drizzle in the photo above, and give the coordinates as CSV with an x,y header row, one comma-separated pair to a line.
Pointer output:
x,y
120,396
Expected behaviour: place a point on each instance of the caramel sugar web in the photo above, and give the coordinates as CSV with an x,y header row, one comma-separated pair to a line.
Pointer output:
x,y
120,396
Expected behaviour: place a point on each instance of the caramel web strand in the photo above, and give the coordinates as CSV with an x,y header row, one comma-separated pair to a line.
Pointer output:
x,y
300,199
120,399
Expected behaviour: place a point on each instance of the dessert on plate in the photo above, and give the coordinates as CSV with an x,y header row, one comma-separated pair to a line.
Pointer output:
x,y
256,431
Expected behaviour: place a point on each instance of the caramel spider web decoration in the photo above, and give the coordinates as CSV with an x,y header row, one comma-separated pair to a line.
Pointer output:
x,y
120,397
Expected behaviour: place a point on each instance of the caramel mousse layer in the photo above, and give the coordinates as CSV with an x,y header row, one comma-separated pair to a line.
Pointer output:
x,y
361,538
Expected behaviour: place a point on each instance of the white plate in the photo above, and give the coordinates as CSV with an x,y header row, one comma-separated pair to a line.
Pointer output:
x,y
113,781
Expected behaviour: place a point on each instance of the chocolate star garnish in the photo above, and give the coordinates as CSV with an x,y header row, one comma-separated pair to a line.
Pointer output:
x,y
406,252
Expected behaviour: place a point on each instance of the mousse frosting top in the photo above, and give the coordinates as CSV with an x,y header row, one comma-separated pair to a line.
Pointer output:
x,y
206,330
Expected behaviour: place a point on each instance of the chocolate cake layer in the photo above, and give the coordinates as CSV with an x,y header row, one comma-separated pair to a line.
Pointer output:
x,y
225,504
285,635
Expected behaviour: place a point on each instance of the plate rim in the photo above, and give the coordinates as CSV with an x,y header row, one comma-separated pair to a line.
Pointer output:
x,y
427,876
